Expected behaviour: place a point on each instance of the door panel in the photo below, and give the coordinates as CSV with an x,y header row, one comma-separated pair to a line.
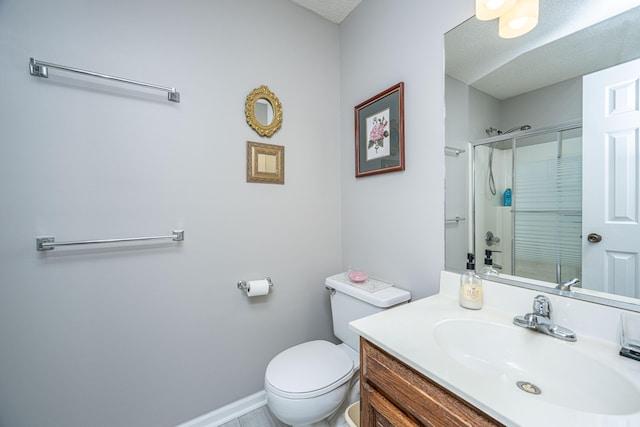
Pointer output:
x,y
611,203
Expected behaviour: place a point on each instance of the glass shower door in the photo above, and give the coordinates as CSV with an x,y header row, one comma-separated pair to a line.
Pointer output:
x,y
547,206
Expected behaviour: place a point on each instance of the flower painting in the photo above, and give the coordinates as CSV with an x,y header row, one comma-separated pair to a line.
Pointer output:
x,y
378,131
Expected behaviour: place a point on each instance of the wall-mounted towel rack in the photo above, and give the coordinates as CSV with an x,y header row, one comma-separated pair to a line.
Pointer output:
x,y
453,150
41,69
49,243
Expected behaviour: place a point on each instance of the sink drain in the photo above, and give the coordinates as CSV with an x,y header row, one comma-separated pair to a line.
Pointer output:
x,y
528,387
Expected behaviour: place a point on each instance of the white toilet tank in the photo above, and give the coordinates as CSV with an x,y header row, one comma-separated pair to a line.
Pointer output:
x,y
349,302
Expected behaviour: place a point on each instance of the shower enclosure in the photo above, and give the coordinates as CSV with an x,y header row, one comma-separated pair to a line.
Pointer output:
x,y
534,230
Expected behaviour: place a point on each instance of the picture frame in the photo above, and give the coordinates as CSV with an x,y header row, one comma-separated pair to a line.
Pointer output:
x,y
379,133
265,163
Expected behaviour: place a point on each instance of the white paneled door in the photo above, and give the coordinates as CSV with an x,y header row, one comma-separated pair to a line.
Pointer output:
x,y
611,173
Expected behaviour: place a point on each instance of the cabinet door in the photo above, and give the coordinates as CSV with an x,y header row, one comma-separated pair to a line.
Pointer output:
x,y
379,412
415,398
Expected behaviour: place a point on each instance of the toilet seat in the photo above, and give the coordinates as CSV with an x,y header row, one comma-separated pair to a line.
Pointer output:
x,y
309,369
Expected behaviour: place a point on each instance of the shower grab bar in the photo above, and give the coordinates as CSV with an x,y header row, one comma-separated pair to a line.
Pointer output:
x,y
49,243
41,69
453,150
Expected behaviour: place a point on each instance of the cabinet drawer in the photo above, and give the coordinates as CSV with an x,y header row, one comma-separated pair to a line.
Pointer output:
x,y
382,413
418,396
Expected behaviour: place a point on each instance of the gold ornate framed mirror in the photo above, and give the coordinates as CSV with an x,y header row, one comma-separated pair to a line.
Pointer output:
x,y
264,111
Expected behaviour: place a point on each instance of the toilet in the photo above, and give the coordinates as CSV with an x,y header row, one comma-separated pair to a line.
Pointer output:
x,y
307,383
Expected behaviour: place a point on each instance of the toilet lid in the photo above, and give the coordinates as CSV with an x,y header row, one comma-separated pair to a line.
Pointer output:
x,y
309,369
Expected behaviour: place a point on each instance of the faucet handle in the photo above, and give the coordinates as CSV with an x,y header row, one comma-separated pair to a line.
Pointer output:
x,y
542,306
530,320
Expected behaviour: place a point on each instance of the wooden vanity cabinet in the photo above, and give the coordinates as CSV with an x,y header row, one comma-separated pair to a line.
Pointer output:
x,y
394,394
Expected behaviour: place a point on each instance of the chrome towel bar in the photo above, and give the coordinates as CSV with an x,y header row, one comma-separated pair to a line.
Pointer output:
x,y
49,243
41,69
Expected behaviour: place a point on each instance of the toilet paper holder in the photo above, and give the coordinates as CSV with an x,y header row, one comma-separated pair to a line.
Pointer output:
x,y
243,285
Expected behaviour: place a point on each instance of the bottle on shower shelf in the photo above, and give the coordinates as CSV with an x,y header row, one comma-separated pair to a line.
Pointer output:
x,y
507,197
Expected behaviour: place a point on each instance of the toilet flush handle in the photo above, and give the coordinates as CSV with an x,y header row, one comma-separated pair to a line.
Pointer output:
x,y
331,290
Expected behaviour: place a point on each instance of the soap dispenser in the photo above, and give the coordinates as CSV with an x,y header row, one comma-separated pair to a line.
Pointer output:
x,y
488,263
470,286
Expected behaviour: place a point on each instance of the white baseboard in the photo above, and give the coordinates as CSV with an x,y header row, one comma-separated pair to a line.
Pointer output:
x,y
229,412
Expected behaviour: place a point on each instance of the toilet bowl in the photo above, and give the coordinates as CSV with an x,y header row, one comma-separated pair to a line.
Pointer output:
x,y
309,382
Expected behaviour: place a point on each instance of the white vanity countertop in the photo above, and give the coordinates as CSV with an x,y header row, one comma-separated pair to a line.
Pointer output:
x,y
406,332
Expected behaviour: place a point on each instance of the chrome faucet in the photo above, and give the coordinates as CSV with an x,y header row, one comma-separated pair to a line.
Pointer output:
x,y
566,286
540,320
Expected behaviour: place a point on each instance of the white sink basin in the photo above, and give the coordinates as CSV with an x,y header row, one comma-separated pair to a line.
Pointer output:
x,y
558,370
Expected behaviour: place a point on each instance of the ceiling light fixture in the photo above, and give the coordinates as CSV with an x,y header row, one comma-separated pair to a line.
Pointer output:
x,y
516,17
487,10
519,20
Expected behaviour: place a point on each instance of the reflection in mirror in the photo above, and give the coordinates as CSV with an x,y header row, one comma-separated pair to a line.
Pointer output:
x,y
528,203
541,239
264,112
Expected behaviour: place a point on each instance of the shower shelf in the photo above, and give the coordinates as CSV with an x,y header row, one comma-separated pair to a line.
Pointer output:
x,y
456,219
453,150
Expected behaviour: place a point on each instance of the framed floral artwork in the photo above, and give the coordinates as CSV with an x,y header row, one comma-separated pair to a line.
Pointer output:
x,y
380,133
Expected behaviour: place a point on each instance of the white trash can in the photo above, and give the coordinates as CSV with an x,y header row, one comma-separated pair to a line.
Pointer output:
x,y
352,415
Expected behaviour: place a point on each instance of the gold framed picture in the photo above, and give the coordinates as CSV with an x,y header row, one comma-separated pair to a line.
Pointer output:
x,y
265,163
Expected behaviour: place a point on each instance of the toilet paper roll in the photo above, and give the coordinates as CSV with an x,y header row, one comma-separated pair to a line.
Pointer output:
x,y
257,287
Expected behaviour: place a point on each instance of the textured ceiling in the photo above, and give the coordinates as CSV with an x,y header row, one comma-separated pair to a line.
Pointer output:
x,y
570,40
573,38
333,10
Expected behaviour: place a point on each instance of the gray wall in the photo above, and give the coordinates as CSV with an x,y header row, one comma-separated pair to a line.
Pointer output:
x,y
156,335
547,106
392,224
153,335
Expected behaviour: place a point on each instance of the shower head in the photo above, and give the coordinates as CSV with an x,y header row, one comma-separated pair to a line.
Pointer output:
x,y
517,128
494,132
491,131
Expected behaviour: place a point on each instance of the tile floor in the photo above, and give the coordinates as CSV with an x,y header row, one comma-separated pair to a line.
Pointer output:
x,y
260,417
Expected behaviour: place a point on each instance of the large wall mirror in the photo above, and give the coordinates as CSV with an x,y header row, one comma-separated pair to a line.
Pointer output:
x,y
533,175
